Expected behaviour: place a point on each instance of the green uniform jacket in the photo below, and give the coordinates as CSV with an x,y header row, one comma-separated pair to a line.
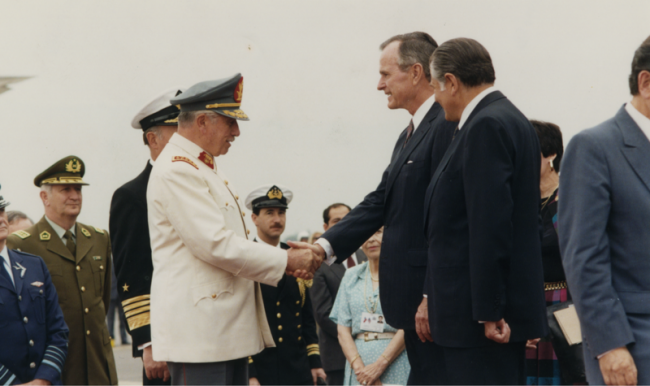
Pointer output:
x,y
83,283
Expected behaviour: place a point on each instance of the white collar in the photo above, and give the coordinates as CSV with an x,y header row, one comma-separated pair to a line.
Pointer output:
x,y
422,111
59,229
151,161
259,240
472,105
5,255
641,120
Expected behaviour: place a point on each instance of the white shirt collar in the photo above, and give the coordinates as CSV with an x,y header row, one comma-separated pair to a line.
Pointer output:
x,y
472,105
59,229
422,111
641,120
5,260
151,161
259,240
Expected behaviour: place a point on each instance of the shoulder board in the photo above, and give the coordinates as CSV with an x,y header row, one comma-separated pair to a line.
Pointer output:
x,y
178,158
22,234
85,232
98,230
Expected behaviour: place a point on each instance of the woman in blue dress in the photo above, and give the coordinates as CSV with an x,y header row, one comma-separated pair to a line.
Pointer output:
x,y
374,349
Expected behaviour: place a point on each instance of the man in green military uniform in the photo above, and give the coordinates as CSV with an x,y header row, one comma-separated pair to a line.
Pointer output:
x,y
78,257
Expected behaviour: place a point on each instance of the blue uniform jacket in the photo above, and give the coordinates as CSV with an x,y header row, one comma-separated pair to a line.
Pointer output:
x,y
34,336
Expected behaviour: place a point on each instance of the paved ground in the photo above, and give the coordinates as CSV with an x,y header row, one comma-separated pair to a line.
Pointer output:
x,y
129,369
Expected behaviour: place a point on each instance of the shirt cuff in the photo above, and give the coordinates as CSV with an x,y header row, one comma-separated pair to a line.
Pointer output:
x,y
425,296
143,346
603,354
329,251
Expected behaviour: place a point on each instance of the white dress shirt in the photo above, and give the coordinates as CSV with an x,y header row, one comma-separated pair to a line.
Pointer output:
x,y
641,120
472,105
61,232
7,263
417,118
259,240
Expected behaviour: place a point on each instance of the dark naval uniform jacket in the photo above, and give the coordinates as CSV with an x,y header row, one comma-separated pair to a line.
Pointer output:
x,y
129,231
83,283
291,319
34,336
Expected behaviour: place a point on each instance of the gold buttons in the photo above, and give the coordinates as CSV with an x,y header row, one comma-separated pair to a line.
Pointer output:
x,y
243,213
83,289
280,340
226,204
277,304
299,326
214,296
225,182
86,310
101,267
297,301
279,315
280,328
300,338
236,197
248,231
297,313
88,332
78,268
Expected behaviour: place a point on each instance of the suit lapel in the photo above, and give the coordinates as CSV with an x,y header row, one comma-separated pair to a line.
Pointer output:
x,y
54,244
420,132
84,244
637,146
17,273
491,97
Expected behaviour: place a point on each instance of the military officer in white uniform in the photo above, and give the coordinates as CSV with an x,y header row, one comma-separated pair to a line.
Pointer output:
x,y
207,314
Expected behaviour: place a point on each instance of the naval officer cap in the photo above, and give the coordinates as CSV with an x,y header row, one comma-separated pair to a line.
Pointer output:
x,y
223,96
68,170
269,196
158,112
3,203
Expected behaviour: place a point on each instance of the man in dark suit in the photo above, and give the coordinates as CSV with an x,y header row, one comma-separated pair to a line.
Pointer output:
x,y
295,359
130,235
484,278
327,281
604,211
397,203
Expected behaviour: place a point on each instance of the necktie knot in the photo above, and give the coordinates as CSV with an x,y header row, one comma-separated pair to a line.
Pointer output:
x,y
69,242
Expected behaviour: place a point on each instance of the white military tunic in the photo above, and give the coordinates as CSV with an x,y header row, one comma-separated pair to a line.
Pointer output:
x,y
205,303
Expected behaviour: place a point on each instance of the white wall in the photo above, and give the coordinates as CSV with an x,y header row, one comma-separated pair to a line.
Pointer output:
x,y
318,124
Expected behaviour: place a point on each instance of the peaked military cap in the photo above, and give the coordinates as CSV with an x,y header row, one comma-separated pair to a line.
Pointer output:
x,y
158,112
68,170
3,203
269,196
223,96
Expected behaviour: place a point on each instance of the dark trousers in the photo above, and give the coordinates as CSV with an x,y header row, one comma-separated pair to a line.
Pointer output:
x,y
113,306
422,358
155,381
497,364
335,377
234,372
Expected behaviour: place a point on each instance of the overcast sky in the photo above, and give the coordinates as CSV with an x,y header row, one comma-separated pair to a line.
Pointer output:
x,y
318,124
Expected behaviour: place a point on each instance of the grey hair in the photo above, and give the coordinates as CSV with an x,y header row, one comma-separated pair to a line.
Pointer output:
x,y
14,215
466,59
153,129
415,47
187,118
47,188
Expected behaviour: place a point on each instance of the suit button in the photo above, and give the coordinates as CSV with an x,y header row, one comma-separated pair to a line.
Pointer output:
x,y
32,365
297,301
280,340
226,204
225,182
279,315
41,291
214,296
277,304
297,313
83,289
25,319
236,197
88,332
248,232
243,214
31,343
299,326
86,310
78,268
20,298
101,267
300,338
280,328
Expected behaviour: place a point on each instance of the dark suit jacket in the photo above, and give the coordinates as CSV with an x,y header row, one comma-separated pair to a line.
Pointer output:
x,y
129,232
604,212
327,281
31,323
398,204
292,324
485,258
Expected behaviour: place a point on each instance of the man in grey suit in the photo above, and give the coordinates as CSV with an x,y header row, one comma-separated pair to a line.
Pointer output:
x,y
327,281
604,231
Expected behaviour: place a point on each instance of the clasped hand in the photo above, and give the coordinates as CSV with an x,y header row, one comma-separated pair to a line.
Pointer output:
x,y
304,259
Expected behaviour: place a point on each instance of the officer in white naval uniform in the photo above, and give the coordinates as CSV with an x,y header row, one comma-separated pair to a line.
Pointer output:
x,y
207,314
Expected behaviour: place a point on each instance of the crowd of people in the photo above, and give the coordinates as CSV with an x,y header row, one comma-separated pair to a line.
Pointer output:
x,y
474,261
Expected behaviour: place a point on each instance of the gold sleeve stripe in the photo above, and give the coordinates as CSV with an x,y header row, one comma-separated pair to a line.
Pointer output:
x,y
310,353
138,311
135,299
136,305
138,321
311,346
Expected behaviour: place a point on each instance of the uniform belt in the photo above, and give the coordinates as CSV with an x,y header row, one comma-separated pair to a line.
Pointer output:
x,y
556,285
368,336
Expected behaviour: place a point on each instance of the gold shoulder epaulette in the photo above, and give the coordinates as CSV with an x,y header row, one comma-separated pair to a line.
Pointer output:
x,y
85,232
98,230
178,158
22,234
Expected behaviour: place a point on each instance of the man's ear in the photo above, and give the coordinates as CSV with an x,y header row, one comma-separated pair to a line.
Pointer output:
x,y
452,83
152,138
644,84
417,72
325,227
254,218
43,195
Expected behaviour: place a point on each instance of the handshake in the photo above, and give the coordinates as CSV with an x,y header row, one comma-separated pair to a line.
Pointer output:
x,y
304,259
